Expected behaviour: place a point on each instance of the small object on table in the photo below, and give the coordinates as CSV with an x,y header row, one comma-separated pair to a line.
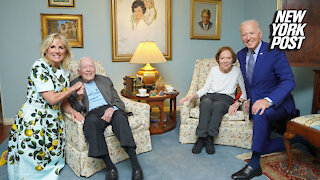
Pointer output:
x,y
132,84
169,89
159,85
161,93
142,95
152,93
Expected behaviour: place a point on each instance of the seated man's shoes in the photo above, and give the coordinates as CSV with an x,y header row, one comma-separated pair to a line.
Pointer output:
x,y
247,173
112,174
198,146
210,145
137,174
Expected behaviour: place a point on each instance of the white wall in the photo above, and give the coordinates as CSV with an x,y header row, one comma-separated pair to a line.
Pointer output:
x,y
21,36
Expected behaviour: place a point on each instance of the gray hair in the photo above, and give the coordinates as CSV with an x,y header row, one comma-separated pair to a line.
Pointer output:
x,y
251,21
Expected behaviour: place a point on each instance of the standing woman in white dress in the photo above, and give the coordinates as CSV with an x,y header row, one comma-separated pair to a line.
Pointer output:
x,y
37,137
151,12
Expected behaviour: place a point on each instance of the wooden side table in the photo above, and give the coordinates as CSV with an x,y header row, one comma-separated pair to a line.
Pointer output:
x,y
316,93
162,125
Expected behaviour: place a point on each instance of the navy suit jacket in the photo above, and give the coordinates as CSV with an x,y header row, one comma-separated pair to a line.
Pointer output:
x,y
272,77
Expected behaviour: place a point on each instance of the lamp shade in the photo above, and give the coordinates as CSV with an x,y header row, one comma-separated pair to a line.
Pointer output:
x,y
147,52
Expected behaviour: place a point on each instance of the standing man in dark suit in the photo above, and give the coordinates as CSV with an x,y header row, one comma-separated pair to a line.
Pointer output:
x,y
103,106
205,24
269,82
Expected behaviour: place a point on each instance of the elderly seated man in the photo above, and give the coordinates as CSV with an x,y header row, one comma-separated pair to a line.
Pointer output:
x,y
98,98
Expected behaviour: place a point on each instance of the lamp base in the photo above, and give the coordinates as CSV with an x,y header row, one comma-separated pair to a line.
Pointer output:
x,y
149,74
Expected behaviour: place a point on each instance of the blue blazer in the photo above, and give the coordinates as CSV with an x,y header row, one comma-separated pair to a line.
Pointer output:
x,y
272,77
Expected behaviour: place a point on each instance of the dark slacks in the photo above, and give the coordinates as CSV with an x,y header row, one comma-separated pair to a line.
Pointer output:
x,y
94,128
261,141
213,106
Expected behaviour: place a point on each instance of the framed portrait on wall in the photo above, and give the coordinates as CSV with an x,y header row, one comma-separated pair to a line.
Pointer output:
x,y
205,19
70,25
133,21
61,3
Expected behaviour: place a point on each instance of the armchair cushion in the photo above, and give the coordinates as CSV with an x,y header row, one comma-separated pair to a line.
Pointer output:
x,y
310,120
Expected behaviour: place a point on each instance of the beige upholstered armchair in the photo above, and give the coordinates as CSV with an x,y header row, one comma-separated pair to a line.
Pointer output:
x,y
234,130
77,147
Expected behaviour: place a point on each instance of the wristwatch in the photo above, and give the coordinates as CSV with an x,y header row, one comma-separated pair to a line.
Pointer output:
x,y
240,102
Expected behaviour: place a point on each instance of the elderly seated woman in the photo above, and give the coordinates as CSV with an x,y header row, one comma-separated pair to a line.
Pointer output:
x,y
216,98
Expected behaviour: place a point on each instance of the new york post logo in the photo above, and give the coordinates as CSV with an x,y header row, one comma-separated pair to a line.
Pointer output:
x,y
287,30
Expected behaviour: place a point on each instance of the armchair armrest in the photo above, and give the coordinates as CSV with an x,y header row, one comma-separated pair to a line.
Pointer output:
x,y
184,109
74,133
142,110
243,109
193,102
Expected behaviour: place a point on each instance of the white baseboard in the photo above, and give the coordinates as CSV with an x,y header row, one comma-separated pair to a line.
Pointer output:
x,y
8,121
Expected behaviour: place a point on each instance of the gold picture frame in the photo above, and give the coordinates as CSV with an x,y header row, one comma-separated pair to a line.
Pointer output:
x,y
70,25
279,4
129,28
61,3
205,19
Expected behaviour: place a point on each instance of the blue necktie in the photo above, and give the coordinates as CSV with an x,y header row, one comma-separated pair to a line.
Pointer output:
x,y
250,67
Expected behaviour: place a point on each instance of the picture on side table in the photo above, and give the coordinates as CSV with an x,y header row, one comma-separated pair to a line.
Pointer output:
x,y
205,19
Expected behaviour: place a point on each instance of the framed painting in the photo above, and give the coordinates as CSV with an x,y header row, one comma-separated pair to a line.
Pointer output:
x,y
133,21
205,19
69,25
61,3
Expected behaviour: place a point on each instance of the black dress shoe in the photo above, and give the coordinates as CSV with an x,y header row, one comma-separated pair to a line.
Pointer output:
x,y
112,174
137,174
198,146
247,173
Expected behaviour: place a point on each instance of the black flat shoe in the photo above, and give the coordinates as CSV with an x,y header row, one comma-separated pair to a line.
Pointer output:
x,y
210,145
137,174
247,173
112,174
198,146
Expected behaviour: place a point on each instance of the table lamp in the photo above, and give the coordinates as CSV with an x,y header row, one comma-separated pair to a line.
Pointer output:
x,y
148,52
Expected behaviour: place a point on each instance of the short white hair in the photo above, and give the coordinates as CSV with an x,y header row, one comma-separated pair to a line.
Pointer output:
x,y
251,21
83,58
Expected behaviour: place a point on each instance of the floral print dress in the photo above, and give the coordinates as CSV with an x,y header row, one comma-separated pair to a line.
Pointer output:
x,y
37,137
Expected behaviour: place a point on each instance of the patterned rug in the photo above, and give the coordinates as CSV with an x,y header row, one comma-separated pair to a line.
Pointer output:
x,y
275,166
